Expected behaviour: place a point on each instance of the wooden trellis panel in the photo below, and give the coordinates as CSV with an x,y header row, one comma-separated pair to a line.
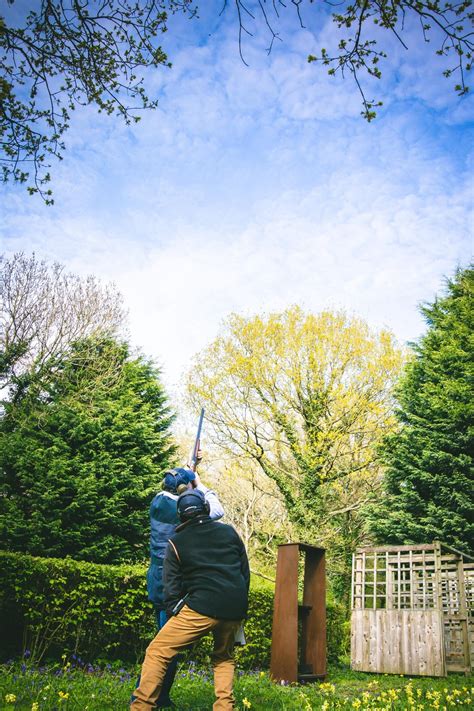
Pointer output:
x,y
412,610
469,589
454,609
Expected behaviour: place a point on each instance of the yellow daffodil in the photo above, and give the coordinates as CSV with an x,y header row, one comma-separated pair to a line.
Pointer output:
x,y
327,688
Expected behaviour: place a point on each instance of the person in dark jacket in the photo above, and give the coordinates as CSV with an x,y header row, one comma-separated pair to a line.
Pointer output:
x,y
163,521
206,579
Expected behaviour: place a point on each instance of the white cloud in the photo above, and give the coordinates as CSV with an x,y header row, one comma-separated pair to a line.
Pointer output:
x,y
252,189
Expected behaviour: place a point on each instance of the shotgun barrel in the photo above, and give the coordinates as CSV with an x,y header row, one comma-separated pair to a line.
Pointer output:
x,y
193,460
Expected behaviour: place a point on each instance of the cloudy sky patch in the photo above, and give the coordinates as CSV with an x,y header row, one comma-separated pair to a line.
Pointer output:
x,y
253,188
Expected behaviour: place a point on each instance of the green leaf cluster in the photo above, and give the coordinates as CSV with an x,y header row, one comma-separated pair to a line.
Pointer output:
x,y
430,472
305,399
81,455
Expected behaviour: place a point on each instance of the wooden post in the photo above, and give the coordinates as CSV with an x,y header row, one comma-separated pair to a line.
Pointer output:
x,y
463,616
314,623
286,613
284,656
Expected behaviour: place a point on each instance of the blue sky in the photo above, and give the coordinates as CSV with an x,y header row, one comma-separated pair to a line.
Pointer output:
x,y
253,188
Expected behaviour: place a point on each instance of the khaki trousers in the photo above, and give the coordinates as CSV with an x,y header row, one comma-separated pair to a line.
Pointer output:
x,y
179,632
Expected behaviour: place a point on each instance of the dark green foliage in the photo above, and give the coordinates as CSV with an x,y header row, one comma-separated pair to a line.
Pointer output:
x,y
52,606
81,454
429,480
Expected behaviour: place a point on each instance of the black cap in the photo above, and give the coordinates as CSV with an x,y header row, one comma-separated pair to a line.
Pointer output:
x,y
192,503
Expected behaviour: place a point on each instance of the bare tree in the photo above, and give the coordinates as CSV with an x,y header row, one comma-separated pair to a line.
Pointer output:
x,y
43,309
255,507
252,504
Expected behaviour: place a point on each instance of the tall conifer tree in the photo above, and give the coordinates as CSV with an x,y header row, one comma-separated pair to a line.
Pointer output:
x,y
81,455
430,475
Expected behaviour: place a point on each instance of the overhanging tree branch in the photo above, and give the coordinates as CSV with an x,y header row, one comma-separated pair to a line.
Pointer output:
x,y
69,53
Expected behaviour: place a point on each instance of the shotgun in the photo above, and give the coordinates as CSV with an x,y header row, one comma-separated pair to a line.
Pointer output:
x,y
193,459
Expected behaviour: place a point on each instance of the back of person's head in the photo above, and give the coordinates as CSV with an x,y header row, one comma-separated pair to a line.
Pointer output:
x,y
192,503
176,480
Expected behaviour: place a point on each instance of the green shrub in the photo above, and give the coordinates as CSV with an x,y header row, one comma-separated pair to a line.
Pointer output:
x,y
53,606
338,631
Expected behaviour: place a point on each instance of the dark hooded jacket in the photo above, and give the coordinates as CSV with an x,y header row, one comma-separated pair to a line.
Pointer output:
x,y
206,561
163,521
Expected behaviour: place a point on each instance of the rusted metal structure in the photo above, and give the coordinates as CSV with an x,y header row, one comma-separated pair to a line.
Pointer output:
x,y
412,610
299,628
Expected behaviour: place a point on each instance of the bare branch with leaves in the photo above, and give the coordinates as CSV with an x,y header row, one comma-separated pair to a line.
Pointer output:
x,y
445,25
69,53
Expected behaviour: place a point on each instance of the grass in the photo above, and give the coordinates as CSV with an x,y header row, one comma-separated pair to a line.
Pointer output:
x,y
75,686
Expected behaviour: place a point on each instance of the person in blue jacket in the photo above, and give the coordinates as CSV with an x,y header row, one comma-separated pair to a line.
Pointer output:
x,y
163,521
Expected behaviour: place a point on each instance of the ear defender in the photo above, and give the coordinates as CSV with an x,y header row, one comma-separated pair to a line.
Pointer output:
x,y
169,482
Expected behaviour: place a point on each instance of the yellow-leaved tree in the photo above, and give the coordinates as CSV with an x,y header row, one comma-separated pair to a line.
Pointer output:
x,y
307,397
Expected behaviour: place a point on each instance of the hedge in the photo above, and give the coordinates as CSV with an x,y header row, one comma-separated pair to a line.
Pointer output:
x,y
52,606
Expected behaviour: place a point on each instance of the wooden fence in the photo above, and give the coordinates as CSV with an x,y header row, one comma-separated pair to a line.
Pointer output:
x,y
412,610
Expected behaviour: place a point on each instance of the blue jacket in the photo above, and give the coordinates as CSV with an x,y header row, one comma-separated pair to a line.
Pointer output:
x,y
163,521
